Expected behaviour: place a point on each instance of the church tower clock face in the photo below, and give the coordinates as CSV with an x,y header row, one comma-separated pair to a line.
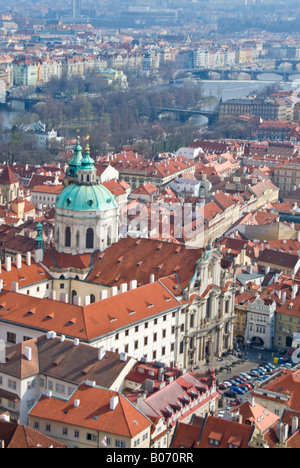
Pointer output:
x,y
86,213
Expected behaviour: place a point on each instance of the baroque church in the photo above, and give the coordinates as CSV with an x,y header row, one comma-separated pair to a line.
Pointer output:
x,y
86,213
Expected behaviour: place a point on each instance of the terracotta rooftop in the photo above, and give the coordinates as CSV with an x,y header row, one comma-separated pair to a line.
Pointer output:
x,y
16,436
94,412
87,322
212,432
136,259
7,177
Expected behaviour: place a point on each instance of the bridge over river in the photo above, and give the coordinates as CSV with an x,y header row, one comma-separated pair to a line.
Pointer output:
x,y
186,114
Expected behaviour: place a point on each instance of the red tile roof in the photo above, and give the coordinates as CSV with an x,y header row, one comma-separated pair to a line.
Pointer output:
x,y
94,412
7,177
159,258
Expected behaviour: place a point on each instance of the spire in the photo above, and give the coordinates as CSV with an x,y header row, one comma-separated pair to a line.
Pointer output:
x,y
87,171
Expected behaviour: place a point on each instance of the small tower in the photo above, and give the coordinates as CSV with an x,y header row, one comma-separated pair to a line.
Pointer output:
x,y
39,240
87,171
74,164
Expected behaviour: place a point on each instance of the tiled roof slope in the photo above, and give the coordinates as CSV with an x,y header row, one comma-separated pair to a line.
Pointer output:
x,y
94,412
136,259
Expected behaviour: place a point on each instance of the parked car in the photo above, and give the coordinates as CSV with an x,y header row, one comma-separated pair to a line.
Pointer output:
x,y
226,382
254,373
223,386
243,387
261,370
238,390
247,376
230,394
236,402
234,382
282,352
248,385
239,377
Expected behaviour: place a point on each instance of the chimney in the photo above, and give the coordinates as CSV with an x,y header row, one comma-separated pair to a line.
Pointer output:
x,y
76,403
77,301
1,285
8,263
114,402
101,354
114,291
123,288
283,298
282,431
53,295
294,291
15,286
28,258
133,284
19,261
103,294
295,424
76,342
63,297
87,300
90,383
152,278
28,353
38,255
5,417
123,357
51,335
62,338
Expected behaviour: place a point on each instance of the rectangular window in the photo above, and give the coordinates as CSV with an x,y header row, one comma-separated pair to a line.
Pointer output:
x,y
11,338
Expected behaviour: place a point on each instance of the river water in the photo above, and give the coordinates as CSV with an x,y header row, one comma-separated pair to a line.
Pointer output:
x,y
220,89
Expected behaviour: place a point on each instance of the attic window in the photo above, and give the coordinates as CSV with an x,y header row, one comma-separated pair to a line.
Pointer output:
x,y
71,321
159,267
139,263
50,316
58,360
120,259
30,312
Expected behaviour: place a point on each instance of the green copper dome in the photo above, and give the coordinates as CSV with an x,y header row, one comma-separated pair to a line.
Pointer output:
x,y
78,197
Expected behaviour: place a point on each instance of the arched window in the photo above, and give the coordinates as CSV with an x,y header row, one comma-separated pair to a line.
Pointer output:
x,y
90,238
68,237
74,293
93,299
